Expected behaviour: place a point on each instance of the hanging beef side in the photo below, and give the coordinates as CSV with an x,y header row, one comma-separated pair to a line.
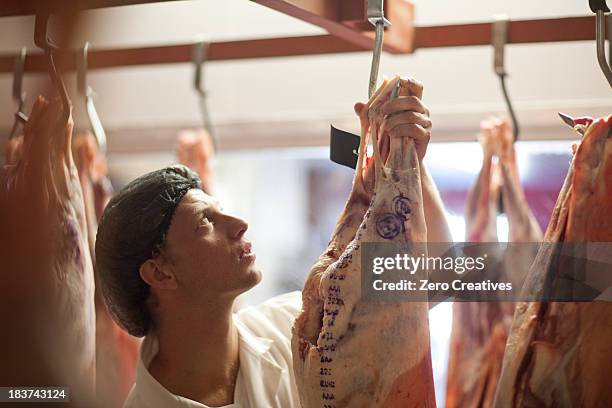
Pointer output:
x,y
47,288
116,350
358,353
480,329
195,150
559,353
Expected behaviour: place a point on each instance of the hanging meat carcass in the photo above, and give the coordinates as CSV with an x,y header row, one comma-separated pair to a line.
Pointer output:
x,y
523,226
559,353
480,330
116,350
482,200
47,288
195,150
349,352
12,152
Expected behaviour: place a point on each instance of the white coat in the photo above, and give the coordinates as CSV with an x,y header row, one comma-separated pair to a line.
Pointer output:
x,y
265,376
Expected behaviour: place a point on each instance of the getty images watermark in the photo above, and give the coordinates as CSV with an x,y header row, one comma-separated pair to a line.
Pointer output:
x,y
486,272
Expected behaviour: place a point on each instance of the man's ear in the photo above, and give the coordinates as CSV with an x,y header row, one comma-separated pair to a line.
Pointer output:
x,y
157,275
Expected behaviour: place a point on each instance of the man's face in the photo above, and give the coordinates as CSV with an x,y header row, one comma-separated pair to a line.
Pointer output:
x,y
207,250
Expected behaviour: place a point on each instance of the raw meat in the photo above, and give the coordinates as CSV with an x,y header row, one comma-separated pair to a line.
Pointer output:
x,y
349,352
559,353
47,294
13,151
480,329
481,207
523,225
479,332
195,150
116,350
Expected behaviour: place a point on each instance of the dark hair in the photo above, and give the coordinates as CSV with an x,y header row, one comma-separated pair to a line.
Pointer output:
x,y
132,229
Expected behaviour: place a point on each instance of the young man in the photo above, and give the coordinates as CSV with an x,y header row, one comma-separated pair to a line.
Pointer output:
x,y
171,264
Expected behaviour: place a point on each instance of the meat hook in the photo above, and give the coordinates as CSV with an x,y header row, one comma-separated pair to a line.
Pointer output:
x,y
600,9
18,94
376,17
200,52
499,36
42,41
87,92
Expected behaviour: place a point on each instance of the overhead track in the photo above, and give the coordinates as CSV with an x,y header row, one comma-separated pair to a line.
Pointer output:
x,y
457,35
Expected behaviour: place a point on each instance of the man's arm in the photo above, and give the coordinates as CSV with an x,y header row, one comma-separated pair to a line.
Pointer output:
x,y
408,116
435,217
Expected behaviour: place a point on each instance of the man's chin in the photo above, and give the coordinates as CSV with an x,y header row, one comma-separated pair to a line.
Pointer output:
x,y
255,275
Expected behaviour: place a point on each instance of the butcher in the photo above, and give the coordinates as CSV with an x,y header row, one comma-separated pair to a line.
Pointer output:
x,y
171,263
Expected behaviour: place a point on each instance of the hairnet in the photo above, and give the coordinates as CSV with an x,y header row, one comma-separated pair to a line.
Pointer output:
x,y
132,229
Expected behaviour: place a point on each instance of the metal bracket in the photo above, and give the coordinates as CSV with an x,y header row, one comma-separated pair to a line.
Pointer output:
x,y
87,92
200,51
376,13
499,36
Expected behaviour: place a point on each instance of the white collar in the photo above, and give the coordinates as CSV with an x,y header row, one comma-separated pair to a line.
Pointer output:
x,y
259,373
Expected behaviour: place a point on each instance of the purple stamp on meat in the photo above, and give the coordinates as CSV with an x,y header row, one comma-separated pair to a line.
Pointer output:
x,y
390,225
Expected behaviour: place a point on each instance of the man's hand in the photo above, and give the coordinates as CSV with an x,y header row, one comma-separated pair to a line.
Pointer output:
x,y
405,116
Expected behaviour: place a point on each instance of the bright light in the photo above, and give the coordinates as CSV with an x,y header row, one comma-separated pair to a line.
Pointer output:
x,y
440,325
456,224
503,228
464,156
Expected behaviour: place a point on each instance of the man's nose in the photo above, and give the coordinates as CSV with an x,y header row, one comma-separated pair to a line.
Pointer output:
x,y
237,228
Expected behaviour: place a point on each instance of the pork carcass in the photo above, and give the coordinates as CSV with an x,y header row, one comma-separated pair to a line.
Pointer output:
x,y
559,353
116,350
47,288
480,330
348,352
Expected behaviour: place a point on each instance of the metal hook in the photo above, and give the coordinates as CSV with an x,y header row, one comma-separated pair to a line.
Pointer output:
x,y
18,94
82,87
600,9
609,32
85,90
396,90
200,51
42,41
500,38
376,16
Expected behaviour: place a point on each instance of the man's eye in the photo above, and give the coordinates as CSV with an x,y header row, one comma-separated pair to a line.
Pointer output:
x,y
205,221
